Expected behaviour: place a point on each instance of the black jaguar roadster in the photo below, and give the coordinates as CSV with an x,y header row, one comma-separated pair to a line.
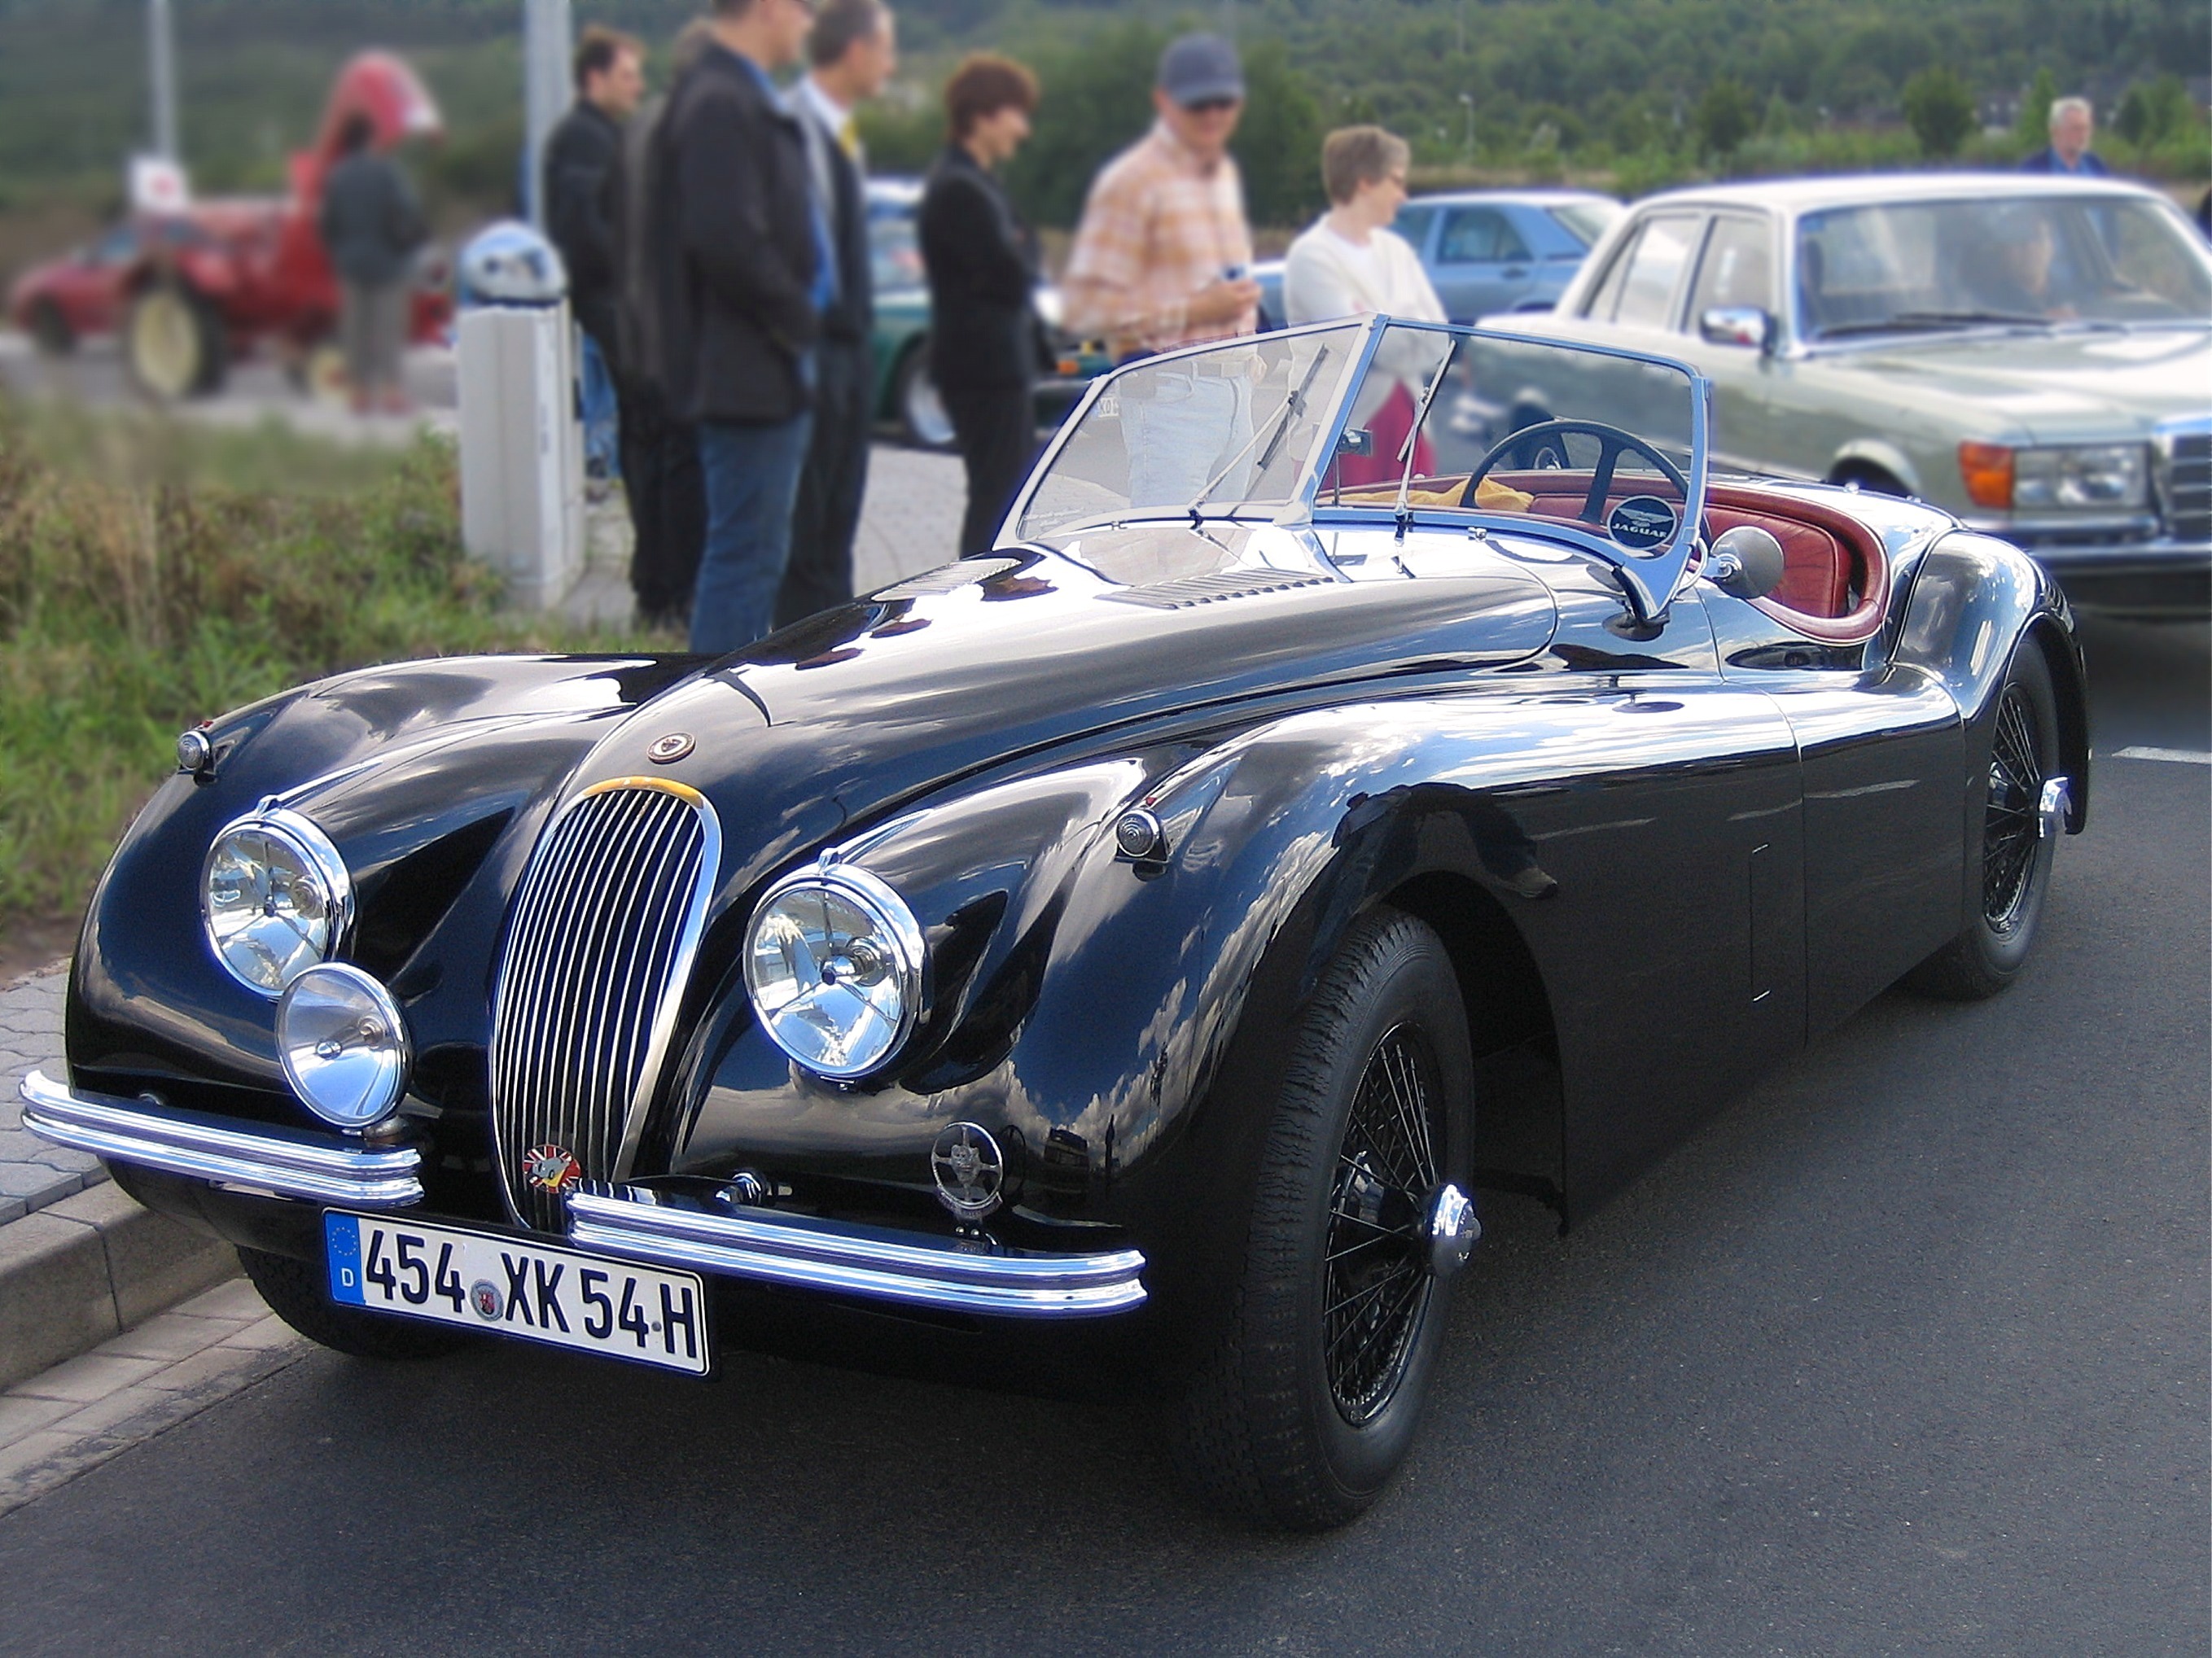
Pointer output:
x,y
1164,926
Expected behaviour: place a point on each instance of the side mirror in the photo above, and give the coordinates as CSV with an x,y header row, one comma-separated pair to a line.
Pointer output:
x,y
1746,562
1737,324
1355,440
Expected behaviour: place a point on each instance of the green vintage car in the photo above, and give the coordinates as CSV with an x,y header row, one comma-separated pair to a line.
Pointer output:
x,y
2033,354
905,397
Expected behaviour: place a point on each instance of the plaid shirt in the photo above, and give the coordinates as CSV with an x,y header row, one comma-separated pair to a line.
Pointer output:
x,y
1157,228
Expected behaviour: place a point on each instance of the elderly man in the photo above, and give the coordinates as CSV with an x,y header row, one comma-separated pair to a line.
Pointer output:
x,y
854,51
1163,258
2072,121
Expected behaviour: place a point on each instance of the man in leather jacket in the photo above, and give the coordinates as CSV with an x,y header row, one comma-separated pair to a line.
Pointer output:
x,y
744,275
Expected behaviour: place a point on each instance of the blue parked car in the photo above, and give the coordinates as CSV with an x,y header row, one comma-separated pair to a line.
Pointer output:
x,y
1486,251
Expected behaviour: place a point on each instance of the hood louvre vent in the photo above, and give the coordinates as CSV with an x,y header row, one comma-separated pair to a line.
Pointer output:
x,y
1215,586
597,954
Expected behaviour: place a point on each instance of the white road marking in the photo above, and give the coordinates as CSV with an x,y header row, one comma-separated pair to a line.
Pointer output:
x,y
2180,756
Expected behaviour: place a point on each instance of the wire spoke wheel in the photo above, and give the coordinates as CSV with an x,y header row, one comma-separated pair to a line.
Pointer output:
x,y
2010,830
1374,1282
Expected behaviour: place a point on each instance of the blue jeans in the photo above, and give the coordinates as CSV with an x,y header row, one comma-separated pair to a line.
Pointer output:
x,y
1183,433
751,475
595,406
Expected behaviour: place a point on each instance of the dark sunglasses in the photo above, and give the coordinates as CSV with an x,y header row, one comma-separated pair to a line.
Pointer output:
x,y
1212,105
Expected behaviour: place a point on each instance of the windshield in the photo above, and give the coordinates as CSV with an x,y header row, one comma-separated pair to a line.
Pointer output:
x,y
1523,429
1586,220
1200,432
2031,259
893,253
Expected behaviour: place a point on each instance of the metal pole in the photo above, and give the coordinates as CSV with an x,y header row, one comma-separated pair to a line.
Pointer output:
x,y
161,71
547,41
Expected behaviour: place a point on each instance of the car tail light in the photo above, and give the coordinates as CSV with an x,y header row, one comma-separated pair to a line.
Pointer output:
x,y
1987,470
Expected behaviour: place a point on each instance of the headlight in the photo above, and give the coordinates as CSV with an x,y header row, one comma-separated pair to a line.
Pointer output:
x,y
273,898
2113,475
344,1044
833,961
2103,475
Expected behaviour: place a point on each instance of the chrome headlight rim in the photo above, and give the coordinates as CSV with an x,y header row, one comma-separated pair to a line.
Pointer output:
x,y
315,851
877,899
399,1046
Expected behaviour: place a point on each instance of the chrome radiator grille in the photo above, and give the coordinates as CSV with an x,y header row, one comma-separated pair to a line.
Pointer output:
x,y
2185,458
600,943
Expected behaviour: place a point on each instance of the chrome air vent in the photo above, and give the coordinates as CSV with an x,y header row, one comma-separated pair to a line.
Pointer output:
x,y
949,578
1212,588
597,950
2184,479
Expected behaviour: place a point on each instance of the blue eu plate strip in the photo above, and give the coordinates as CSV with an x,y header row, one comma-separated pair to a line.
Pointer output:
x,y
342,1234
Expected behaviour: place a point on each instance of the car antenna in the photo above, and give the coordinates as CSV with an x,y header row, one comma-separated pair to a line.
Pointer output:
x,y
1405,451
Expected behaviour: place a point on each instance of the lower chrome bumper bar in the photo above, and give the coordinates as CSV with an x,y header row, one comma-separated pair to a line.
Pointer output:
x,y
856,1261
271,1159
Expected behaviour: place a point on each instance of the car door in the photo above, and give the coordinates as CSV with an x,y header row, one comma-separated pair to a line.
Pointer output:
x,y
1882,752
1481,266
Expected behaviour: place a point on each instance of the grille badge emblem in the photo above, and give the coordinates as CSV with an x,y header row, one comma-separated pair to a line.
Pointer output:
x,y
551,1169
969,1168
666,750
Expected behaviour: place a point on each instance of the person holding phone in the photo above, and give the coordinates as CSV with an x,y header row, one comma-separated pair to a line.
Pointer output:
x,y
1163,259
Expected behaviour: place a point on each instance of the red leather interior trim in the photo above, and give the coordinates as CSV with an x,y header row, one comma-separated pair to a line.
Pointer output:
x,y
1813,574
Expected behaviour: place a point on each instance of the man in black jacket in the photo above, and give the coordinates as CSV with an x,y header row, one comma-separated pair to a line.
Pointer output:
x,y
983,268
580,157
854,51
744,278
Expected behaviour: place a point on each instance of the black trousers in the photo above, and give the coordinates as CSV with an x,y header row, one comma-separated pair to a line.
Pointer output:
x,y
667,501
995,429
831,488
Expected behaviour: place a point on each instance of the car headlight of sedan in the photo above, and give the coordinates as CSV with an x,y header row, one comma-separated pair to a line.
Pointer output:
x,y
834,962
2112,476
274,898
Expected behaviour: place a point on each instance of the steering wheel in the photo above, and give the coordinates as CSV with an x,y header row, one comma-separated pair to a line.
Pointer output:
x,y
1612,443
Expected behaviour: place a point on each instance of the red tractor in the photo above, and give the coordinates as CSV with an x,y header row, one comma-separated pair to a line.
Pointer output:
x,y
191,290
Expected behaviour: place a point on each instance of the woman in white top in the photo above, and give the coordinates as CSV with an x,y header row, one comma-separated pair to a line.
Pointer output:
x,y
1352,263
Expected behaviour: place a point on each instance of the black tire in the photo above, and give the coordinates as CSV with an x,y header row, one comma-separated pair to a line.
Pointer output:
x,y
49,330
922,419
173,342
295,1292
1285,1424
1992,949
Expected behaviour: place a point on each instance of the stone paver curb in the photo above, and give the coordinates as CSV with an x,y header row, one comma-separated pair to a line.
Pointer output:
x,y
79,1261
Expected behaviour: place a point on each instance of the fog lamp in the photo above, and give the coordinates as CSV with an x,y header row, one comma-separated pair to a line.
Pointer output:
x,y
344,1044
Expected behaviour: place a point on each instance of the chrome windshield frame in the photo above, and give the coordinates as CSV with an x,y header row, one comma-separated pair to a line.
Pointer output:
x,y
1651,582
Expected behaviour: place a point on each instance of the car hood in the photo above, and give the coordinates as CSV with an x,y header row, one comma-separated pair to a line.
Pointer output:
x,y
2064,386
863,709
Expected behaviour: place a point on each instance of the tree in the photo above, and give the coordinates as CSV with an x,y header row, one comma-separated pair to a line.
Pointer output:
x,y
2033,130
2149,114
1940,110
1277,145
1094,98
1726,116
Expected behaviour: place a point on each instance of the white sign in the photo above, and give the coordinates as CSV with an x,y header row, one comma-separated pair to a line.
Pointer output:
x,y
157,186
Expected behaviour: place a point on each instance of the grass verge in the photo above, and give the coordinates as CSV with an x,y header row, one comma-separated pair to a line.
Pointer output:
x,y
153,575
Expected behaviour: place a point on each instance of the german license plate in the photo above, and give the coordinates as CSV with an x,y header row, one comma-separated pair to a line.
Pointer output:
x,y
482,1281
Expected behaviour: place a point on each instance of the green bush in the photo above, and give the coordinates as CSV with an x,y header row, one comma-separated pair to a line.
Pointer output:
x,y
155,579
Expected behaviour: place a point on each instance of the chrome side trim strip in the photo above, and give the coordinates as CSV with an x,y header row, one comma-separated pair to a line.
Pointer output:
x,y
855,1260
270,1159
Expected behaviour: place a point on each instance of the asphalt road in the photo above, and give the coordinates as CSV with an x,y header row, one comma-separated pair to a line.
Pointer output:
x,y
1905,1353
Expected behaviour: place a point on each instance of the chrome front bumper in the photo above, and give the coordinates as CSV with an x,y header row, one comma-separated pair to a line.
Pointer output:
x,y
266,1159
957,1274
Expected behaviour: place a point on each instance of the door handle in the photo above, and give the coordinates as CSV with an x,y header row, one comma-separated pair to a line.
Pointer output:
x,y
1514,273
